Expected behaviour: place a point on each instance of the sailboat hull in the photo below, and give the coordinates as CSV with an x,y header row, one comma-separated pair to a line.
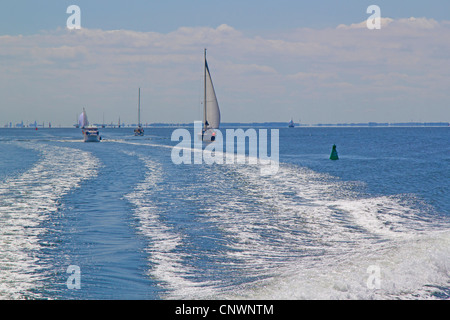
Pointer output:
x,y
139,132
207,136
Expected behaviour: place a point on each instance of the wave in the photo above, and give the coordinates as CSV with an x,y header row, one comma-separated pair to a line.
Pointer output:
x,y
165,257
297,234
26,202
327,237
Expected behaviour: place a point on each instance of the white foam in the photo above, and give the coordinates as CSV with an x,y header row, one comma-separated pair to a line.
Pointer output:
x,y
25,202
306,235
341,236
166,261
408,270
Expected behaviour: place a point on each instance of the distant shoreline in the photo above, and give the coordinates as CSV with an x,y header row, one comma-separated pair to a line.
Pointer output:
x,y
256,124
367,124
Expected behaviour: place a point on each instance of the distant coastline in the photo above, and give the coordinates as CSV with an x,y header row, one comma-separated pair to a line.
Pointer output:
x,y
253,124
365,124
285,124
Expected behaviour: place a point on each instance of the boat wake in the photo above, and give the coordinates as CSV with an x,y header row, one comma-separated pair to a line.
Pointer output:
x,y
318,238
298,234
26,202
165,241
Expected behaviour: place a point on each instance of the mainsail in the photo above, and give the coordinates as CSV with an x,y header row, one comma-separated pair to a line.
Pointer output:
x,y
211,113
83,120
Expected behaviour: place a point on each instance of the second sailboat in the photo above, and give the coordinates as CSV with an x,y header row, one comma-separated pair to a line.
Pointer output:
x,y
211,111
139,131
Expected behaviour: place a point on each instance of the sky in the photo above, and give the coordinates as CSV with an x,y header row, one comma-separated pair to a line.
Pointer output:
x,y
313,61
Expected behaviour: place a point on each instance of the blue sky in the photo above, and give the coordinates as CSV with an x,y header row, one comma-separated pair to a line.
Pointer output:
x,y
314,61
27,17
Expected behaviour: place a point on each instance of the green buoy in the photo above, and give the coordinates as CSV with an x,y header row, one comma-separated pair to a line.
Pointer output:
x,y
334,155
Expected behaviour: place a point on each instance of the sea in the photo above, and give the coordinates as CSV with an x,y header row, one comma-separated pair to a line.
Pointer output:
x,y
119,220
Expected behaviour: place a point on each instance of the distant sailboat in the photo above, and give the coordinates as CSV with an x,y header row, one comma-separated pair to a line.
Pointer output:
x,y
90,133
211,111
291,123
139,131
77,125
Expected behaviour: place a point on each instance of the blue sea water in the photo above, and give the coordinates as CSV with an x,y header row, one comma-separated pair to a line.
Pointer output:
x,y
139,226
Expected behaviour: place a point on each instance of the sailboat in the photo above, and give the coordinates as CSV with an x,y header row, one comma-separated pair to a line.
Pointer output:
x,y
77,125
139,131
211,111
291,123
90,133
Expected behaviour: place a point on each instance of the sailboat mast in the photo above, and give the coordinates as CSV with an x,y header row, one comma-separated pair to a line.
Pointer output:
x,y
139,109
204,96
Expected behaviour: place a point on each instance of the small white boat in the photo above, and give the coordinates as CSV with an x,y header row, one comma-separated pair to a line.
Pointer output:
x,y
139,131
291,123
211,111
90,133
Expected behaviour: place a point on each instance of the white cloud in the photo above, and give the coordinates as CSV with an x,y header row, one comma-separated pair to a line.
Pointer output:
x,y
363,25
312,76
68,69
422,23
412,22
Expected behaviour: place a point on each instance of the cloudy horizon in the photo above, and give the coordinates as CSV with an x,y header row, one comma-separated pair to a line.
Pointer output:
x,y
341,74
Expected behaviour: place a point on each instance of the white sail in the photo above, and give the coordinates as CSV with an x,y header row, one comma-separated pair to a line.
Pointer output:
x,y
212,117
83,120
